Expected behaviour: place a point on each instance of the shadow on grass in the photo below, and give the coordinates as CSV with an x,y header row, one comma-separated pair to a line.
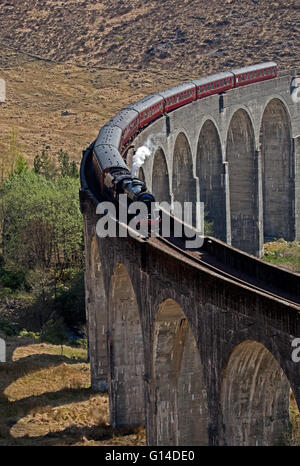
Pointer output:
x,y
74,434
12,411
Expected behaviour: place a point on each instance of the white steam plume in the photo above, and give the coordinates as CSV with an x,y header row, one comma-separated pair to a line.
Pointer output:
x,y
143,152
139,158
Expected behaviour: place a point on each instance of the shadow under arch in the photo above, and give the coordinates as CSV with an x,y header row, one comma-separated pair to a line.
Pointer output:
x,y
125,352
255,397
277,172
242,168
96,316
210,171
179,389
141,175
184,186
160,177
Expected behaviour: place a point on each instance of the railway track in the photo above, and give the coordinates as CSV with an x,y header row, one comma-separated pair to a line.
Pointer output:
x,y
204,260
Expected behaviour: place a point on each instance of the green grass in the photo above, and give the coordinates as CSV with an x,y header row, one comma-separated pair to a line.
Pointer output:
x,y
284,254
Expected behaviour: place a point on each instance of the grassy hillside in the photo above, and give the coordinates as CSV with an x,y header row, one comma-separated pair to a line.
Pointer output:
x,y
189,35
96,57
63,106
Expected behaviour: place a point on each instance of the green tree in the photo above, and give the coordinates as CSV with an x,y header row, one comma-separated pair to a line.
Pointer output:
x,y
43,226
67,167
11,152
43,165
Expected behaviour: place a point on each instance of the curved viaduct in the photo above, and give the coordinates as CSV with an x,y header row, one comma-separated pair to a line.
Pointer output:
x,y
199,348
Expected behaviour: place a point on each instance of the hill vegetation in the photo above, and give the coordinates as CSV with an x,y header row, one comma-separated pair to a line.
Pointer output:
x,y
162,34
96,57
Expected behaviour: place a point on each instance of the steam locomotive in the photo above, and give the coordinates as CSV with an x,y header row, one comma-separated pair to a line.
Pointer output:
x,y
113,176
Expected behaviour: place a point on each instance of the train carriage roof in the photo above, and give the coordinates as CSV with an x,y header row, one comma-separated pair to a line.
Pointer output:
x,y
177,89
108,156
212,78
109,134
260,66
124,117
146,102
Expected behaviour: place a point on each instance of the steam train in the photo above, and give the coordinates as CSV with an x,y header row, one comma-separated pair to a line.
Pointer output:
x,y
114,137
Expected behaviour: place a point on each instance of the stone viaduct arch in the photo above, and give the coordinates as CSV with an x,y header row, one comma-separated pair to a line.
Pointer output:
x,y
240,154
96,313
160,177
254,387
183,182
125,352
182,170
180,394
278,172
210,172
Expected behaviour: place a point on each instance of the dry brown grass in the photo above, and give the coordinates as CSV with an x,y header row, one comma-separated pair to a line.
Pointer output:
x,y
63,106
137,34
46,399
295,421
